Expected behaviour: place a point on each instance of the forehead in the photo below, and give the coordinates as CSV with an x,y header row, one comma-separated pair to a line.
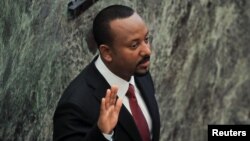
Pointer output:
x,y
128,28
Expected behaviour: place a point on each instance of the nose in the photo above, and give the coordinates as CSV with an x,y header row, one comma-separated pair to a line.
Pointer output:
x,y
145,49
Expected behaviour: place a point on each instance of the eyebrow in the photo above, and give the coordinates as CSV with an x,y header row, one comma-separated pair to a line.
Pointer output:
x,y
139,39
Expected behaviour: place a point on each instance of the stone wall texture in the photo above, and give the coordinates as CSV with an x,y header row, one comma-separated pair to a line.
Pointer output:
x,y
200,63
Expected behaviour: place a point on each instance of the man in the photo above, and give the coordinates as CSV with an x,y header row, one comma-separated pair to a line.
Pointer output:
x,y
113,97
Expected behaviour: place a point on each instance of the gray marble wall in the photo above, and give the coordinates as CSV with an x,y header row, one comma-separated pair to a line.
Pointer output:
x,y
200,63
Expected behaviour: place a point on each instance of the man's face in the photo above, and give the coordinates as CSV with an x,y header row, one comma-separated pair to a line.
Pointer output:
x,y
130,50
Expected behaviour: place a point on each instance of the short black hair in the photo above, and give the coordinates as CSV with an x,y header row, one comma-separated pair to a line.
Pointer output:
x,y
101,24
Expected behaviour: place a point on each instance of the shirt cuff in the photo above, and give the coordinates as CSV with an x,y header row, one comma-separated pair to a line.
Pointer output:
x,y
109,136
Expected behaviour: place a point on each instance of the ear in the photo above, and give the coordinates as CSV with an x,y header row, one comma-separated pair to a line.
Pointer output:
x,y
105,52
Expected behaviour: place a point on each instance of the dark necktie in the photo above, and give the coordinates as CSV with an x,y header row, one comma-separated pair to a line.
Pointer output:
x,y
138,116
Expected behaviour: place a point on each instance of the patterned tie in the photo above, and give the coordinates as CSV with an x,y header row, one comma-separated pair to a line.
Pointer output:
x,y
137,114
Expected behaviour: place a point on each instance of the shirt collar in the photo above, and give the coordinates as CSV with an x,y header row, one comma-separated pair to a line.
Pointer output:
x,y
113,79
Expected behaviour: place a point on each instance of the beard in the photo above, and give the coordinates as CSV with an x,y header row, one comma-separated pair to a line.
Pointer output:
x,y
139,71
144,59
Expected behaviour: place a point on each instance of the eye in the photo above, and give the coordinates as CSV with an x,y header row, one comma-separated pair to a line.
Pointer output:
x,y
134,44
146,39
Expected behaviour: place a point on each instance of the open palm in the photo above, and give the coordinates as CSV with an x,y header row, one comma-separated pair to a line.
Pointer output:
x,y
109,110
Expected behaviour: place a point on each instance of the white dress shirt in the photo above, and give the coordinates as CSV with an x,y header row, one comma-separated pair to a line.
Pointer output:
x,y
123,85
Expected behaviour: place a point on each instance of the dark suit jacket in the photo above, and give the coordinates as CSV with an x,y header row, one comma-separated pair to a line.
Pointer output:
x,y
76,115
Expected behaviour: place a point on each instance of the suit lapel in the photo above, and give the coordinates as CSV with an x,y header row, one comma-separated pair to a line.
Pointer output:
x,y
127,122
97,81
147,92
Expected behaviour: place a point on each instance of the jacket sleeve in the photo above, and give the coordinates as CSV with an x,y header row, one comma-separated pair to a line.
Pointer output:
x,y
71,124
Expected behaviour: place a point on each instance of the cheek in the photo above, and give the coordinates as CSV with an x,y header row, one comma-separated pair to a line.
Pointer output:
x,y
131,62
128,58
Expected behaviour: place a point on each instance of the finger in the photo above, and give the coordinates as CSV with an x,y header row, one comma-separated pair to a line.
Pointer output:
x,y
107,98
114,90
102,108
118,105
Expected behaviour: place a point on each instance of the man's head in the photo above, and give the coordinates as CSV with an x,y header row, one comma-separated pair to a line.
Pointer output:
x,y
122,39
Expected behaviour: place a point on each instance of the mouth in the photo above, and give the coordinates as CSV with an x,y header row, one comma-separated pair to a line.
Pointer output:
x,y
144,63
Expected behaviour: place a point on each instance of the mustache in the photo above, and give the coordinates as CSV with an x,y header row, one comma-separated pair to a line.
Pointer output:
x,y
144,59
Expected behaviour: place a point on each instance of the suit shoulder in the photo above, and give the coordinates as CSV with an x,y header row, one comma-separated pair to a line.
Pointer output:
x,y
78,90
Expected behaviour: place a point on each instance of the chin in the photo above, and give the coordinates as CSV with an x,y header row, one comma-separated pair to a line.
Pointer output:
x,y
141,72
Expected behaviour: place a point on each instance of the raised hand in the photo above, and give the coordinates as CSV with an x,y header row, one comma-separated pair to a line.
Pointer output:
x,y
109,111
